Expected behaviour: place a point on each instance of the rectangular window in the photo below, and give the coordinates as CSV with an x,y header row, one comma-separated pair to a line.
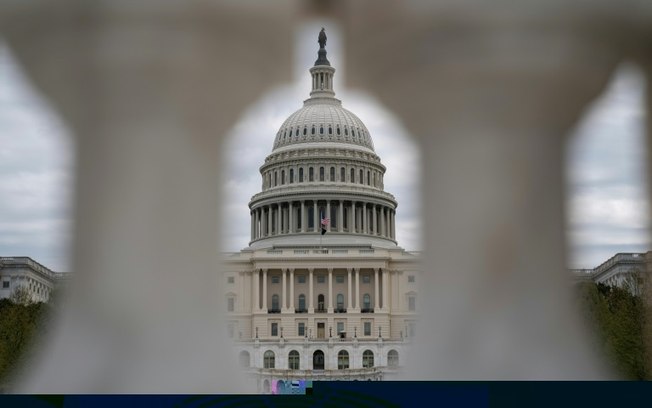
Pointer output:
x,y
412,303
342,174
5,284
276,279
301,175
339,278
321,174
411,278
366,278
311,174
274,329
340,327
321,278
332,174
301,329
301,279
367,328
230,304
230,279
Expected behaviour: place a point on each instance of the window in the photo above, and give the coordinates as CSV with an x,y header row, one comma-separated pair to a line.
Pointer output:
x,y
311,174
330,130
361,179
301,279
412,329
392,358
321,278
276,279
230,304
321,130
320,302
332,174
368,177
338,130
342,360
352,176
342,173
293,360
374,179
366,301
5,284
305,130
339,278
411,278
301,329
276,178
412,303
340,301
367,328
368,359
283,176
366,278
230,279
301,175
346,131
340,327
321,174
268,359
313,130
274,329
291,176
302,302
275,302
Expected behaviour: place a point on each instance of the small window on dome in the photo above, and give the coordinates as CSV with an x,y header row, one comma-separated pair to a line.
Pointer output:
x,y
330,130
313,130
321,130
338,130
305,130
346,131
353,133
297,132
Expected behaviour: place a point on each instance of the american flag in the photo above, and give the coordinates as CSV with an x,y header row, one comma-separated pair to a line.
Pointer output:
x,y
324,224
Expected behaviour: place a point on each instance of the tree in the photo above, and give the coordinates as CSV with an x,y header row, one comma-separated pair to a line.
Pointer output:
x,y
21,296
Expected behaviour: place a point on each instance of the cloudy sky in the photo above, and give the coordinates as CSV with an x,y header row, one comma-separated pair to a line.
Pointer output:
x,y
607,198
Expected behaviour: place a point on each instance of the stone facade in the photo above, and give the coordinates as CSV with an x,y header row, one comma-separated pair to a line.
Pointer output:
x,y
24,272
618,270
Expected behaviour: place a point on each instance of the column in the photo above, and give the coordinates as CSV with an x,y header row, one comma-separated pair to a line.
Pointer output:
x,y
357,218
253,222
290,218
315,215
269,220
357,289
349,289
303,216
264,291
330,290
256,297
292,290
385,290
374,220
328,214
340,217
365,224
376,297
284,290
352,217
311,307
279,212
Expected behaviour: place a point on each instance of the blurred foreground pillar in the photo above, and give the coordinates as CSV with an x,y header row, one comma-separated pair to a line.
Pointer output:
x,y
149,89
490,91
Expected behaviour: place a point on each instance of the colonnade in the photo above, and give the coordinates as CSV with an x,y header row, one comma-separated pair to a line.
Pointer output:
x,y
292,217
353,291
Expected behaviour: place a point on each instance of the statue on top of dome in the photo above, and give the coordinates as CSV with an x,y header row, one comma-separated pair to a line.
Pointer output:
x,y
322,38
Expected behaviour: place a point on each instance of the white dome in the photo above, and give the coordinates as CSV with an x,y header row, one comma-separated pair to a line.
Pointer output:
x,y
323,120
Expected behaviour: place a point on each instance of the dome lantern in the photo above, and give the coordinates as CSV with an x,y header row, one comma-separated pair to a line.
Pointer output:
x,y
322,73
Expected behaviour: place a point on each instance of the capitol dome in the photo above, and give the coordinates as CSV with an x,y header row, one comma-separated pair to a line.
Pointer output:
x,y
322,183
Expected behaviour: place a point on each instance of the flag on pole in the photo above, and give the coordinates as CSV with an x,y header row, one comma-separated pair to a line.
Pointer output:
x,y
324,224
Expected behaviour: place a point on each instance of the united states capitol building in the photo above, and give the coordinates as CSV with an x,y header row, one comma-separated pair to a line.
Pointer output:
x,y
323,291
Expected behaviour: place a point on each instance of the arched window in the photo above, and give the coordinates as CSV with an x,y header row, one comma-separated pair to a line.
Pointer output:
x,y
346,131
366,301
297,132
392,358
368,177
368,359
332,173
305,130
276,178
352,132
311,174
321,130
292,176
321,174
338,130
342,360
342,174
244,359
320,303
340,301
268,359
302,302
330,130
300,174
282,176
352,176
374,184
275,302
312,131
361,180
293,360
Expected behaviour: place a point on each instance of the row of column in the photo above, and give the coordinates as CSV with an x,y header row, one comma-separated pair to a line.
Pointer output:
x,y
291,218
353,275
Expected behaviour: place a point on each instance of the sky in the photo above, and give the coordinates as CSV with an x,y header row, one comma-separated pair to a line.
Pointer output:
x,y
606,206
